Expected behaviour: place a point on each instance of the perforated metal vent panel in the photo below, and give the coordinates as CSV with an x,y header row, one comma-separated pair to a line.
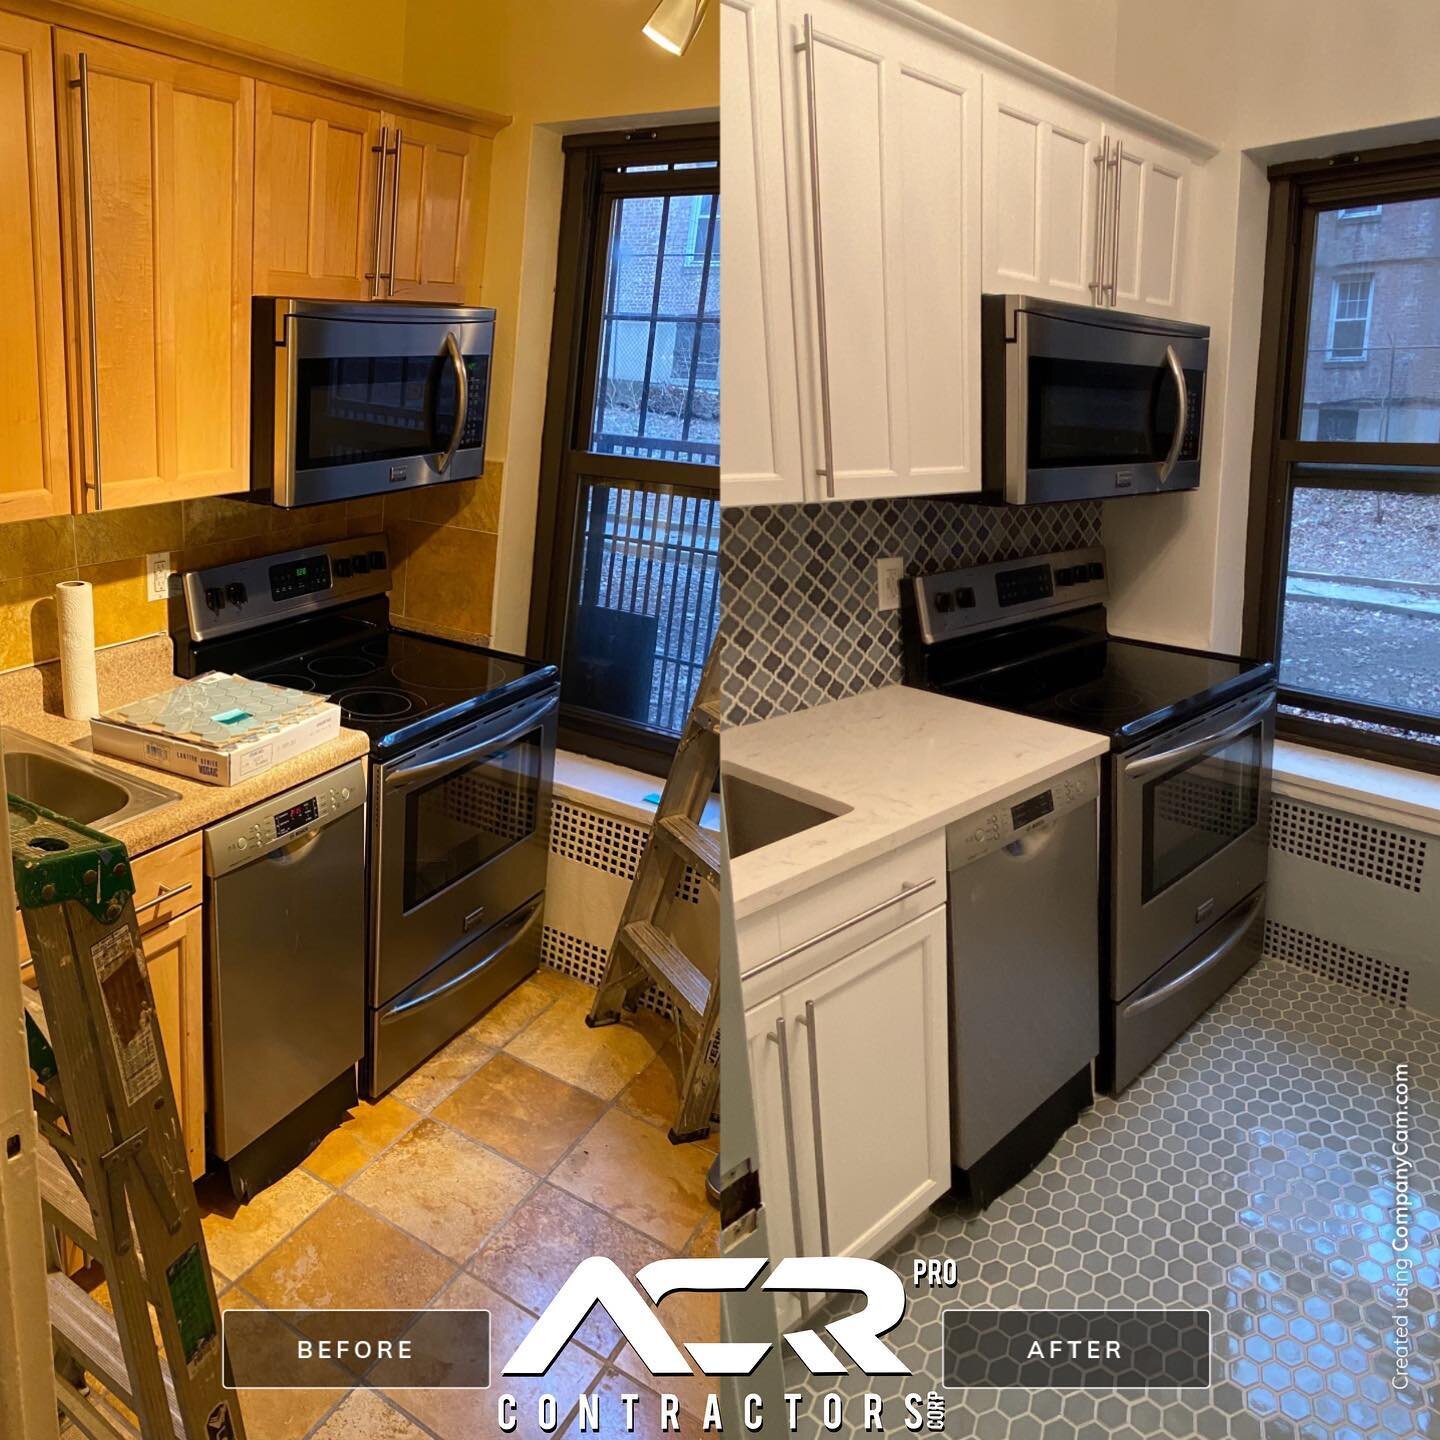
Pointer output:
x,y
582,959
1361,847
609,845
1337,962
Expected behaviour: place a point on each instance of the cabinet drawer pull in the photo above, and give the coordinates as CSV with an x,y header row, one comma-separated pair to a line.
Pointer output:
x,y
827,432
373,275
395,213
164,895
839,929
777,1038
86,171
1119,163
809,1023
1102,186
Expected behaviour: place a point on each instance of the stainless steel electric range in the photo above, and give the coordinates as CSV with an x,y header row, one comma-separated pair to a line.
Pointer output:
x,y
462,759
1185,795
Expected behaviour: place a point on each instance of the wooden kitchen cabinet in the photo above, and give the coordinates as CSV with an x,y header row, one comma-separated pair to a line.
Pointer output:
x,y
318,209
35,479
1151,224
891,213
161,284
175,957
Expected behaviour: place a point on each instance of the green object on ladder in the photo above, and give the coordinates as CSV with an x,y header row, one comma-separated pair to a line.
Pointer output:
x,y
64,860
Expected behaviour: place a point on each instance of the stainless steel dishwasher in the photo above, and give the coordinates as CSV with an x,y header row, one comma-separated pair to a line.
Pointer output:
x,y
1024,978
285,970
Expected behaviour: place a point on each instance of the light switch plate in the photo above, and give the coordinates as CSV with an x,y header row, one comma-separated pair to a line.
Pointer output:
x,y
888,571
157,576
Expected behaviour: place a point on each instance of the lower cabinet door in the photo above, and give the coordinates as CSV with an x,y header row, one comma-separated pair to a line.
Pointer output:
x,y
174,954
869,1073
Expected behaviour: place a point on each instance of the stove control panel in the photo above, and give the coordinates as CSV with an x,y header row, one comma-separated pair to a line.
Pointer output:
x,y
960,602
1021,816
229,599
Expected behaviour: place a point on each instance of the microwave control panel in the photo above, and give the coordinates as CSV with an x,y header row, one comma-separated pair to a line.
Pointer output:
x,y
1194,413
477,366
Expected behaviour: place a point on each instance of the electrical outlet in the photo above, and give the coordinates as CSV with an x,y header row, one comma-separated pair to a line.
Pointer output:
x,y
887,582
157,576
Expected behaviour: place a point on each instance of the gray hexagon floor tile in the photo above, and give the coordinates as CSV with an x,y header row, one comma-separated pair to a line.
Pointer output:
x,y
1247,1171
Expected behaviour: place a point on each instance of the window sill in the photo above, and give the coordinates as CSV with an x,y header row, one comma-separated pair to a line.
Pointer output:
x,y
1389,793
617,790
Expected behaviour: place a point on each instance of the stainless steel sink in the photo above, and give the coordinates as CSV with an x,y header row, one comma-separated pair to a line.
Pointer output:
x,y
75,786
756,816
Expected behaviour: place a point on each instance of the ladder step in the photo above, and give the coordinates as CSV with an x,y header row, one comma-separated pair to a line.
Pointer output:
x,y
89,1332
65,1204
707,713
700,849
665,960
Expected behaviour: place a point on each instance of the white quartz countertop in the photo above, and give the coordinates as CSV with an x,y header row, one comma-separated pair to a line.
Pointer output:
x,y
903,762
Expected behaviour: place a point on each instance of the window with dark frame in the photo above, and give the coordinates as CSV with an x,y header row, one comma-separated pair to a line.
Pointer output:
x,y
626,590
1343,576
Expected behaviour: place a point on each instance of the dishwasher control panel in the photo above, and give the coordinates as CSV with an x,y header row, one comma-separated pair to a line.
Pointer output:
x,y
1028,810
278,822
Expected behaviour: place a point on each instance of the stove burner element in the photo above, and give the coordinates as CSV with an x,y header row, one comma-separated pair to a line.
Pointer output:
x,y
374,704
289,681
341,667
1106,699
430,677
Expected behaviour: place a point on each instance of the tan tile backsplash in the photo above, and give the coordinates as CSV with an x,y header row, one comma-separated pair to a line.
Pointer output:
x,y
443,542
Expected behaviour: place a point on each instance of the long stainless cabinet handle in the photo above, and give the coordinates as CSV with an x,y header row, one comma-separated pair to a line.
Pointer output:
x,y
1119,163
777,1038
1097,265
821,1195
83,85
1178,438
163,896
504,936
462,398
835,930
1233,937
373,275
410,773
1166,758
395,210
827,432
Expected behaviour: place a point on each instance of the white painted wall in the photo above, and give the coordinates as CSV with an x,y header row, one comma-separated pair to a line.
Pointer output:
x,y
1077,36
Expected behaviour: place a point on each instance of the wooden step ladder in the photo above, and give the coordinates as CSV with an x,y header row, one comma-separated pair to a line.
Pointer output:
x,y
115,1178
644,952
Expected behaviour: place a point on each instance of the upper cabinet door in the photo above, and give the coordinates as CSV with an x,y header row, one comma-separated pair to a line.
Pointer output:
x,y
888,213
437,194
35,478
1148,254
1041,188
760,411
318,207
157,236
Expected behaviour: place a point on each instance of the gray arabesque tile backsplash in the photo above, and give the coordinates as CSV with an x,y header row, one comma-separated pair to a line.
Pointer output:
x,y
798,587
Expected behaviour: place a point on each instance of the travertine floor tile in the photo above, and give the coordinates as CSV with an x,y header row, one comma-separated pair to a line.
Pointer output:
x,y
437,1077
345,1258
367,1416
647,1411
236,1235
443,1188
564,987
631,1170
654,1094
534,1252
506,1019
524,1113
603,1061
363,1136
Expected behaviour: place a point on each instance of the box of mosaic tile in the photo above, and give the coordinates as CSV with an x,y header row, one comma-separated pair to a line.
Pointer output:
x,y
218,728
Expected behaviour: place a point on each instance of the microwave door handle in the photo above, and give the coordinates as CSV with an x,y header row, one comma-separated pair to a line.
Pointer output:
x,y
1172,360
462,400
1136,769
407,775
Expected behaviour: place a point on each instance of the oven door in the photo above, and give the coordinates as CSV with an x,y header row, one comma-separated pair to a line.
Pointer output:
x,y
374,399
1191,833
462,834
1101,405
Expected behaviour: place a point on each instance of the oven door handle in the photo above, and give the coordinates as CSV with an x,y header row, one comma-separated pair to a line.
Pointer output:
x,y
1183,395
1166,758
1213,957
405,775
462,399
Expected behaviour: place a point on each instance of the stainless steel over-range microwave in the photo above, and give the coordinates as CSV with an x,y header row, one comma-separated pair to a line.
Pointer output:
x,y
365,399
1085,404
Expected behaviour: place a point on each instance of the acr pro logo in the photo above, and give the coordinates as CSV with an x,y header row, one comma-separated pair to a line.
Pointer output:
x,y
600,1281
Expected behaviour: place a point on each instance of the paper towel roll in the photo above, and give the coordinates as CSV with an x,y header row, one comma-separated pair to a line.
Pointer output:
x,y
75,606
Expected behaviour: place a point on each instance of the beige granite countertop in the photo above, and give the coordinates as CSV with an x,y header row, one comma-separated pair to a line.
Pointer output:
x,y
30,702
899,762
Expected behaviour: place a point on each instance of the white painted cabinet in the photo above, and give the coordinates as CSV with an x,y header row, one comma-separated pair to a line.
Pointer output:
x,y
1041,193
850,1070
760,417
1150,216
885,249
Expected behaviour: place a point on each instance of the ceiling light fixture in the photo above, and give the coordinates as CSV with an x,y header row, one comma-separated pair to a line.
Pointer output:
x,y
675,23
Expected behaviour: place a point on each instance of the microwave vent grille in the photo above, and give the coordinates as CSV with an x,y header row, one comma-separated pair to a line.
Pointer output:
x,y
1359,847
1333,961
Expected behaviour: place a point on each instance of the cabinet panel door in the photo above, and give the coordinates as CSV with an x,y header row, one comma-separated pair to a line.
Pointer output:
x,y
35,479
174,959
879,1086
1153,182
1040,190
437,197
760,418
318,206
170,182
